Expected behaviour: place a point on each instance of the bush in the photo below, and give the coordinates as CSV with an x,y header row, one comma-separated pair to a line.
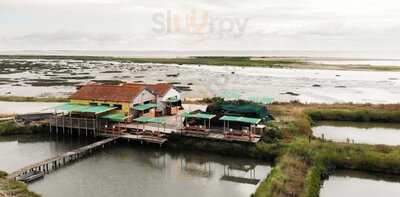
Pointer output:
x,y
12,128
355,115
3,174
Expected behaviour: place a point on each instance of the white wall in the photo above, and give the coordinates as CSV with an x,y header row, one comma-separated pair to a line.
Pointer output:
x,y
171,93
144,96
161,100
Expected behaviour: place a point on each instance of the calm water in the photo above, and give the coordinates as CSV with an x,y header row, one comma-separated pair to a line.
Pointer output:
x,y
132,170
352,184
19,151
365,133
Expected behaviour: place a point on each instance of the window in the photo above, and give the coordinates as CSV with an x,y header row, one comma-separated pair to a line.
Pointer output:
x,y
105,104
94,104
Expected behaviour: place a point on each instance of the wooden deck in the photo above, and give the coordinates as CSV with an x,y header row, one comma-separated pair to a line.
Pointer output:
x,y
193,133
55,162
66,124
141,138
220,136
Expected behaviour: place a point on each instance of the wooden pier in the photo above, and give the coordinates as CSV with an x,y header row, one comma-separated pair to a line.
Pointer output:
x,y
56,162
83,126
141,138
220,136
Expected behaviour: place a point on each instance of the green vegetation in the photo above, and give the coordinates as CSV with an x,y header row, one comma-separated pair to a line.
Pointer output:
x,y
355,115
314,159
12,128
32,99
14,188
286,178
217,61
301,161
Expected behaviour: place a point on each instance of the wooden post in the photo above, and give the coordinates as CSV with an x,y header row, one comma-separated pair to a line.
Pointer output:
x,y
56,124
50,126
86,125
79,126
63,118
70,124
94,127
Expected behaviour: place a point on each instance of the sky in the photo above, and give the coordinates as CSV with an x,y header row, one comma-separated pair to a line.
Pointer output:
x,y
319,25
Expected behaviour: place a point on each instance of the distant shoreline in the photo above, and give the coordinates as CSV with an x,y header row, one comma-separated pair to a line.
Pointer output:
x,y
240,61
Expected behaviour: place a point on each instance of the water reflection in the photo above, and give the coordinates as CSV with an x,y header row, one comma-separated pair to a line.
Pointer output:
x,y
353,183
368,133
127,170
22,150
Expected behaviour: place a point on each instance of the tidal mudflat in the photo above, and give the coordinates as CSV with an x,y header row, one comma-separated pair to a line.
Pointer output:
x,y
59,77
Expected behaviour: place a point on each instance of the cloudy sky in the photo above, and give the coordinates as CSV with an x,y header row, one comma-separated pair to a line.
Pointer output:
x,y
372,25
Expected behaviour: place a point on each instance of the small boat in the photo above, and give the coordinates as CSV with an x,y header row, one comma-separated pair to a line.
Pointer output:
x,y
30,176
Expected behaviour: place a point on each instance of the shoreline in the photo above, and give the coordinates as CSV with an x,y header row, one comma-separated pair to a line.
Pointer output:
x,y
264,62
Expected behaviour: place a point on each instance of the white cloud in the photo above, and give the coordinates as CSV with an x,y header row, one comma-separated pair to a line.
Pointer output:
x,y
128,24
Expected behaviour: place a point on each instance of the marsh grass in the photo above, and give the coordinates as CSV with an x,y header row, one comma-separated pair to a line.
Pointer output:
x,y
216,61
14,188
32,99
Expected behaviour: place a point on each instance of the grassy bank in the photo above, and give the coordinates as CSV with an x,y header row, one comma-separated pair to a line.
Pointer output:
x,y
355,115
12,128
286,178
304,162
264,151
10,188
32,99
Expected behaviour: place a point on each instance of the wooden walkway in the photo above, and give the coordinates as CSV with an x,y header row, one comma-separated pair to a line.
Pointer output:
x,y
141,138
55,162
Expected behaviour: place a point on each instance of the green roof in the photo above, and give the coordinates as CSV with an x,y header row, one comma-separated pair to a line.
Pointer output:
x,y
262,100
229,95
198,115
142,107
97,109
245,109
117,117
241,119
70,107
143,119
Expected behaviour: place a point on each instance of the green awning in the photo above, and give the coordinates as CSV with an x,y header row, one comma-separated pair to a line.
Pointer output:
x,y
98,109
117,117
262,100
150,120
143,107
229,95
198,115
142,119
241,119
70,107
158,120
